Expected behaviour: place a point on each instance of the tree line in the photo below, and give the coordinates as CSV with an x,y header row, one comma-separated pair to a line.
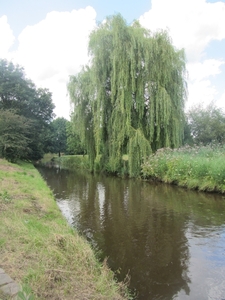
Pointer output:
x,y
129,99
27,125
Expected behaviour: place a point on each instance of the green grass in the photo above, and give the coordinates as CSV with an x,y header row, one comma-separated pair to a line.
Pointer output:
x,y
38,248
201,168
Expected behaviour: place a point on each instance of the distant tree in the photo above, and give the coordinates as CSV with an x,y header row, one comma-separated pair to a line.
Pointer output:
x,y
74,144
40,107
21,95
188,138
131,97
59,135
15,90
207,124
14,143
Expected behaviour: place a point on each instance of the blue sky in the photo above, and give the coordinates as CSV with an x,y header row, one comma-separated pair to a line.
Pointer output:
x,y
49,39
29,12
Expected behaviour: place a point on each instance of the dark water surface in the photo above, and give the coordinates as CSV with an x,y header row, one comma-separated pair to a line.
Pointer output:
x,y
169,240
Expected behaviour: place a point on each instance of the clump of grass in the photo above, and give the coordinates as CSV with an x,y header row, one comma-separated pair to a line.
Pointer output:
x,y
38,248
5,196
198,167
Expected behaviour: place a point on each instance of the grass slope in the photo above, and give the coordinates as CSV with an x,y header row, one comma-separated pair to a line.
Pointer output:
x,y
37,247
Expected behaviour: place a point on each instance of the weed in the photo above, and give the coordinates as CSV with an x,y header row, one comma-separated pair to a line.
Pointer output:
x,y
25,294
5,196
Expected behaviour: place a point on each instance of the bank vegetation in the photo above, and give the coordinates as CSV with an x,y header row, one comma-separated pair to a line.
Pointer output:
x,y
196,167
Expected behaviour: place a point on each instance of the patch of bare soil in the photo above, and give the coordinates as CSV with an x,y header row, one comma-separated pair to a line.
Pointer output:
x,y
5,167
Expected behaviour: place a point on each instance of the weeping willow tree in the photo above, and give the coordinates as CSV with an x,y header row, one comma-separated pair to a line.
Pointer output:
x,y
130,100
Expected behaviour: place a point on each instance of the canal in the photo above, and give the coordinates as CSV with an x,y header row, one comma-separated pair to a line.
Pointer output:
x,y
169,241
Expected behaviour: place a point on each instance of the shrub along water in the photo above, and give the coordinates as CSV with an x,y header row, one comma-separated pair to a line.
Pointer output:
x,y
198,167
39,249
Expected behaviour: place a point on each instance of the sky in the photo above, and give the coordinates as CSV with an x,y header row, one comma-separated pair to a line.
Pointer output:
x,y
49,38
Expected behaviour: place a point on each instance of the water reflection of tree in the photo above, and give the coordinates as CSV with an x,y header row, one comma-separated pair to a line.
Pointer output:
x,y
140,227
150,241
56,180
137,233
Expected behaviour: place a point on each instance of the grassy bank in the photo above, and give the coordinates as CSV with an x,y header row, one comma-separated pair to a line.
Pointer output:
x,y
201,168
37,247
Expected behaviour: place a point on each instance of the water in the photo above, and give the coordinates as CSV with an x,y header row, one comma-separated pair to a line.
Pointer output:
x,y
169,240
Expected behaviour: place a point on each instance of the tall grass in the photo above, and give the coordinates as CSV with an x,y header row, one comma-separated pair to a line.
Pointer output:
x,y
198,167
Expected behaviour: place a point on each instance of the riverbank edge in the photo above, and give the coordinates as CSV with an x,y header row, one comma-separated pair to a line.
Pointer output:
x,y
39,250
74,162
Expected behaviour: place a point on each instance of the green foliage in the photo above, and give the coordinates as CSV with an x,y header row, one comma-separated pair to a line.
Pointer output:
x,y
25,294
74,162
131,99
188,138
139,149
59,136
195,167
207,125
32,109
14,132
74,144
81,93
5,196
62,137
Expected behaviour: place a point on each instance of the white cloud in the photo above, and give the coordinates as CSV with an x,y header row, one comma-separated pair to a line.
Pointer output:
x,y
200,92
200,88
192,24
6,37
205,69
221,101
55,48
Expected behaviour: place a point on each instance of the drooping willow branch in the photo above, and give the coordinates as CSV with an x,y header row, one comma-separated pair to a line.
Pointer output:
x,y
131,98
